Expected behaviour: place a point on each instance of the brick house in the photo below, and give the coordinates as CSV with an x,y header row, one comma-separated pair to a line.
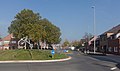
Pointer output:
x,y
9,42
114,43
1,44
91,43
105,41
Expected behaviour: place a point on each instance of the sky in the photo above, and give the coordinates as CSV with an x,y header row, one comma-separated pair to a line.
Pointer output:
x,y
73,17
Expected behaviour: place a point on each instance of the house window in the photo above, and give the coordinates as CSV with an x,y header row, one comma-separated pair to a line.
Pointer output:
x,y
6,42
13,41
115,49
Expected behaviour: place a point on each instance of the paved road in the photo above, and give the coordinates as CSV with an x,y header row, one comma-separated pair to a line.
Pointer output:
x,y
79,62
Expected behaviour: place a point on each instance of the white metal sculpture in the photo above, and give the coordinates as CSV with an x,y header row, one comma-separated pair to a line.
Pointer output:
x,y
25,41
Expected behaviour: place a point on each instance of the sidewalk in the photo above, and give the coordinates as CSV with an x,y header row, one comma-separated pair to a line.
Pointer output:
x,y
96,53
92,53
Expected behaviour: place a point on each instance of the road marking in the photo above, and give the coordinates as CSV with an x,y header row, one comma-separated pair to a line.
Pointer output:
x,y
113,68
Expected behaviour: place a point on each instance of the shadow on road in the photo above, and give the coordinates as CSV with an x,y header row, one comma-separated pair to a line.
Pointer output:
x,y
98,54
102,57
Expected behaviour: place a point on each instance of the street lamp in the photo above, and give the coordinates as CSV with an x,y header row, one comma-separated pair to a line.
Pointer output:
x,y
94,27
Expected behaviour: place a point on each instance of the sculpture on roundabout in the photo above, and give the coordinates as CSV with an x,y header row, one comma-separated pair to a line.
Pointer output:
x,y
23,42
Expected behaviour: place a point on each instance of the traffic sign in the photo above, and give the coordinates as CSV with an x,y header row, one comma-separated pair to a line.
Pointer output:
x,y
52,52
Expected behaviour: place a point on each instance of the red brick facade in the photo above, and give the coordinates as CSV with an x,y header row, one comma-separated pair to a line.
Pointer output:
x,y
9,42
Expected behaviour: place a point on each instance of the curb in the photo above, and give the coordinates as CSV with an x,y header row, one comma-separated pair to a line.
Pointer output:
x,y
34,61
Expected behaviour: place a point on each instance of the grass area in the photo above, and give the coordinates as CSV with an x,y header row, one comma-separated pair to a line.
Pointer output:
x,y
29,55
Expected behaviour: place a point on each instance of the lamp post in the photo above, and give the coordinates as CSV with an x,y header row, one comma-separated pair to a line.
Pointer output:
x,y
94,28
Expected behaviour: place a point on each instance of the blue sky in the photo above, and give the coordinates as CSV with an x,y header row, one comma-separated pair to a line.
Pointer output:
x,y
74,17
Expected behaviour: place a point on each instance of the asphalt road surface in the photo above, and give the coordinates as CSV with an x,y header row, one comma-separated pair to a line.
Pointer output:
x,y
79,62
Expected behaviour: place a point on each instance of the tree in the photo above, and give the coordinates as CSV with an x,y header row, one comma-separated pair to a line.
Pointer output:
x,y
87,36
51,33
28,23
24,23
76,44
66,43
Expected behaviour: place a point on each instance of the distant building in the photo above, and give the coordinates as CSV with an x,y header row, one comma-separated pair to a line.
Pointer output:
x,y
91,43
9,42
83,41
1,44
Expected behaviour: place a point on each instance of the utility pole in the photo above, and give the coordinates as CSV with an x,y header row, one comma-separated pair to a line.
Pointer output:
x,y
94,28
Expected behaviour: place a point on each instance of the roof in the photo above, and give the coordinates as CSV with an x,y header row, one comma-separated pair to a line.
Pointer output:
x,y
8,37
113,30
93,38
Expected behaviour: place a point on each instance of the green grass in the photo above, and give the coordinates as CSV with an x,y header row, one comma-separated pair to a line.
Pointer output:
x,y
59,56
28,55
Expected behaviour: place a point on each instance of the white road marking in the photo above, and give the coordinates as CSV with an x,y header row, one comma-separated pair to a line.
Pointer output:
x,y
113,68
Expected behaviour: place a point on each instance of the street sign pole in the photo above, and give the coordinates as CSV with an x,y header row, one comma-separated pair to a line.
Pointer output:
x,y
52,52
